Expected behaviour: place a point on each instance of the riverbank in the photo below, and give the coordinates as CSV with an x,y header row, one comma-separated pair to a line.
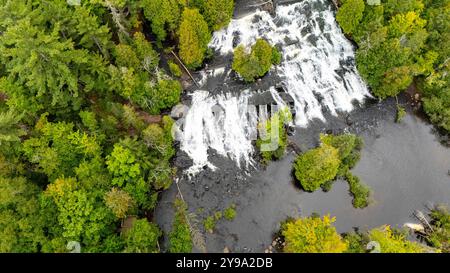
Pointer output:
x,y
403,163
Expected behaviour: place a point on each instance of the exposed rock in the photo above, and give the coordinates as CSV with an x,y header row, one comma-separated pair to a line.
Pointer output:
x,y
269,7
179,111
349,120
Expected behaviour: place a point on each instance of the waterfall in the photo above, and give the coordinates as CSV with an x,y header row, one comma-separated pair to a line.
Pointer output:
x,y
317,70
223,123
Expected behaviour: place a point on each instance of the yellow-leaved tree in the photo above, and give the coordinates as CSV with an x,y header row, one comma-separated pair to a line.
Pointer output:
x,y
312,235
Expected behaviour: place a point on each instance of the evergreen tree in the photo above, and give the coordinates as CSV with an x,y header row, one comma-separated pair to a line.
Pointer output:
x,y
194,38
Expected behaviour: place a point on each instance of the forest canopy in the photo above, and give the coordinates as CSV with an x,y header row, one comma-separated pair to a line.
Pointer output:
x,y
85,147
401,43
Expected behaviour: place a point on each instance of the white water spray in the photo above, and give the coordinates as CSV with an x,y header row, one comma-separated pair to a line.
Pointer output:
x,y
317,71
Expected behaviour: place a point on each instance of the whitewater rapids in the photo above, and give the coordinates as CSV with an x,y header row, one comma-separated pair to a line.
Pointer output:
x,y
317,70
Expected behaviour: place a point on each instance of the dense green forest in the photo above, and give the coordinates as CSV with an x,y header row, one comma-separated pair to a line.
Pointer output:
x,y
403,43
85,146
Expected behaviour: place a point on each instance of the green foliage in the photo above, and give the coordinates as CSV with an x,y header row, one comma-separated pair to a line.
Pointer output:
x,y
81,213
440,220
129,166
394,7
149,58
359,191
119,202
180,237
166,95
350,14
401,113
317,166
123,166
48,67
312,235
349,147
356,242
175,69
256,63
164,16
393,242
230,213
142,237
21,227
89,121
327,186
58,150
218,13
399,41
335,157
210,223
10,131
194,38
125,56
272,143
69,112
436,101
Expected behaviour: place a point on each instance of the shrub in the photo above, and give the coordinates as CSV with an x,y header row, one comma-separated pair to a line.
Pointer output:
x,y
165,95
256,63
175,69
349,147
359,191
272,144
230,212
209,223
400,113
393,242
317,166
180,240
356,242
142,237
440,220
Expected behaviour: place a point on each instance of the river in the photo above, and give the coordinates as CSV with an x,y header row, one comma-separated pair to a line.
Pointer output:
x,y
404,163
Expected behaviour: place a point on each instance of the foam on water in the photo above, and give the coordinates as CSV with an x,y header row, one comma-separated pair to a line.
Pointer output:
x,y
221,123
317,71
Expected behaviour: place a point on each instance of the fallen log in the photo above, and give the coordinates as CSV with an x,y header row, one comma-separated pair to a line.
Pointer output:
x,y
185,68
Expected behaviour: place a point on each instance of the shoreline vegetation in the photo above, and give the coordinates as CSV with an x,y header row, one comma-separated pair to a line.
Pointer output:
x,y
336,155
318,235
403,43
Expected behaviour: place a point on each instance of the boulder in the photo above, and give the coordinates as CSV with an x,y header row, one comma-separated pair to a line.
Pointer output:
x,y
179,111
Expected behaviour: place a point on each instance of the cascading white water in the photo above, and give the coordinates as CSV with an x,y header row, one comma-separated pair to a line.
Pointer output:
x,y
317,71
223,123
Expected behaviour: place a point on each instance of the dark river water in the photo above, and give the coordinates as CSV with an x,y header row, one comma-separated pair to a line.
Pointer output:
x,y
404,164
